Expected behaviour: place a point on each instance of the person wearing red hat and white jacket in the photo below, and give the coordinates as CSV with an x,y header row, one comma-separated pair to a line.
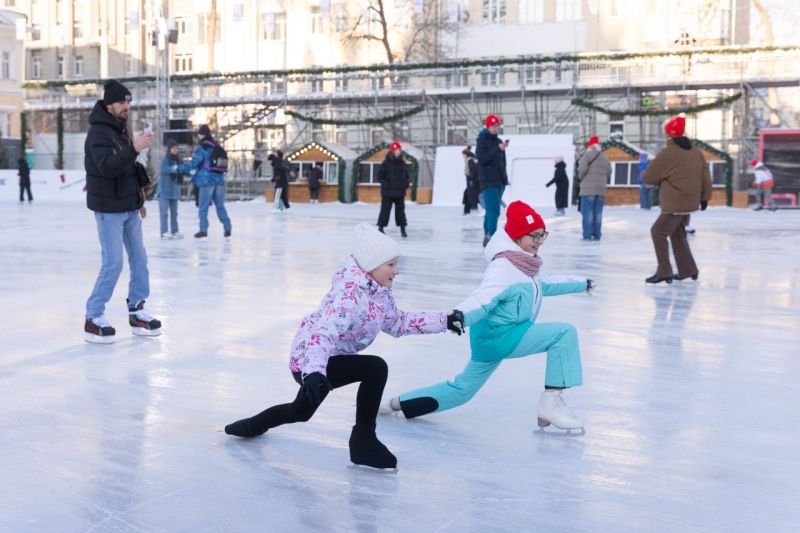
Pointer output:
x,y
764,183
501,314
594,169
492,174
681,174
394,178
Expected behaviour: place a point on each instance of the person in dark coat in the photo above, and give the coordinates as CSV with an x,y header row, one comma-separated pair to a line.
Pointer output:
x,y
394,178
492,176
473,190
280,177
24,180
314,177
115,194
562,186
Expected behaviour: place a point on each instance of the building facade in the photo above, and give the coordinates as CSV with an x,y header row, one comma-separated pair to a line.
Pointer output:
x,y
11,94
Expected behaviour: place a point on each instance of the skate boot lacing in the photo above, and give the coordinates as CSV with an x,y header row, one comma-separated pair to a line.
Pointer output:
x,y
100,322
561,408
142,315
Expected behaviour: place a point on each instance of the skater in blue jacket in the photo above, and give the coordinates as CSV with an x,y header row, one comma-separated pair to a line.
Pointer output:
x,y
502,314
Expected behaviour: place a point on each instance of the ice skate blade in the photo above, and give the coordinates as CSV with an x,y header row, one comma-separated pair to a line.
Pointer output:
x,y
142,332
372,470
560,432
97,339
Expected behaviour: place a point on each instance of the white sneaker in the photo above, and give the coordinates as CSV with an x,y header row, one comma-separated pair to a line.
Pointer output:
x,y
276,211
552,410
177,235
166,236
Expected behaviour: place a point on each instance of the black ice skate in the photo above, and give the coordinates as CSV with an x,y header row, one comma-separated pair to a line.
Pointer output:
x,y
243,428
141,322
677,277
367,450
655,278
98,330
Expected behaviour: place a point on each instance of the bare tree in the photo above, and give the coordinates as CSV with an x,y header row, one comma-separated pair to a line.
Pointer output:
x,y
772,92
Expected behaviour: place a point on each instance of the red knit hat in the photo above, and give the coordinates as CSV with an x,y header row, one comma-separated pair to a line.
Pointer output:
x,y
675,127
395,146
521,220
492,120
754,162
594,140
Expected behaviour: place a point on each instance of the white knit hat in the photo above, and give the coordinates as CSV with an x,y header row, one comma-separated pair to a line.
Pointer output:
x,y
371,248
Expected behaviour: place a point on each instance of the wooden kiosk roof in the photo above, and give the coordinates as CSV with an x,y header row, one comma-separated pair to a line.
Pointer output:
x,y
321,152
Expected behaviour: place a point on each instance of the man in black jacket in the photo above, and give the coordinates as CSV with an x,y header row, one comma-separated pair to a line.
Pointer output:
x,y
116,195
491,153
24,174
394,179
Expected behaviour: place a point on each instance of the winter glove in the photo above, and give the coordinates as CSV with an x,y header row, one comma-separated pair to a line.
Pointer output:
x,y
590,285
455,322
312,387
703,205
193,172
174,169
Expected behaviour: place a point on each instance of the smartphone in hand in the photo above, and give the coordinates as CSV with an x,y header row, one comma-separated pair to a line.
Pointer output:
x,y
148,128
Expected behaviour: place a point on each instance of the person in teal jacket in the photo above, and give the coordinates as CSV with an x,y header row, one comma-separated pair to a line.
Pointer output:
x,y
169,191
501,315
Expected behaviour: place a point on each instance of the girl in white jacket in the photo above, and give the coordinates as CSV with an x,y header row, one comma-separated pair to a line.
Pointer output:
x,y
324,353
502,314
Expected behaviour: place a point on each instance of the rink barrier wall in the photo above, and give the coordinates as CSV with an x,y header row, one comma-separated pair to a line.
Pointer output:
x,y
299,193
45,185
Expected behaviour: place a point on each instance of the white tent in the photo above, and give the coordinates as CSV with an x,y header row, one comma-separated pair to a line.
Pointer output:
x,y
530,165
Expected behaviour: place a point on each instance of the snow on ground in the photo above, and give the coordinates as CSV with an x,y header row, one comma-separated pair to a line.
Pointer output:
x,y
690,396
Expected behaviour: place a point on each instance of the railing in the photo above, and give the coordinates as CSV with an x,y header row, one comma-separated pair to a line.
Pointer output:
x,y
676,71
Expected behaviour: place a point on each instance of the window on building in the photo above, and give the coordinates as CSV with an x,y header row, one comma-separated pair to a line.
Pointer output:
x,y
493,77
340,18
184,25
6,67
341,85
717,173
77,29
61,11
531,11
316,20
78,64
183,63
568,10
60,66
5,124
203,27
273,26
36,32
493,11
458,78
129,64
36,64
11,3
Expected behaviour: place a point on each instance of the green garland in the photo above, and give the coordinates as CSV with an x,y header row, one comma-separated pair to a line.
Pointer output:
x,y
728,168
622,146
363,122
580,102
372,151
398,67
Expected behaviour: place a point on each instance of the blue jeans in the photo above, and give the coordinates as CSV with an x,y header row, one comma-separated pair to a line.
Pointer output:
x,y
592,211
115,231
491,200
217,193
166,205
645,196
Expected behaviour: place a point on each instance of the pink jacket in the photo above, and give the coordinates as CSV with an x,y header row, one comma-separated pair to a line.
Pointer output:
x,y
349,318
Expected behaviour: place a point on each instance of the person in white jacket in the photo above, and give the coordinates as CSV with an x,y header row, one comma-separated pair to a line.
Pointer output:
x,y
763,183
502,314
325,352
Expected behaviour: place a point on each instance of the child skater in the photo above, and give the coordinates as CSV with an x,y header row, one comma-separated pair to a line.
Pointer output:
x,y
325,352
502,313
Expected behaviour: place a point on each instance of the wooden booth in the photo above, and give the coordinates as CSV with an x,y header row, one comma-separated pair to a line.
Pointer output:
x,y
335,159
623,185
365,186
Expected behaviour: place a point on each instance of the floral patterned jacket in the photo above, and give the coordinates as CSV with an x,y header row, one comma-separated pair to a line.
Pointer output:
x,y
349,318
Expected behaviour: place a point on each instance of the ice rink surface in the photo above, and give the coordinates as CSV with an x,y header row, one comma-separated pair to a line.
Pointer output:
x,y
690,392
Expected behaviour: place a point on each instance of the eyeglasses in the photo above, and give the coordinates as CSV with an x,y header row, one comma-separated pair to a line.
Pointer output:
x,y
538,237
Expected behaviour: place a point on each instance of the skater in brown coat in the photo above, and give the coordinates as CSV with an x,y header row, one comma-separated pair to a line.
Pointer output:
x,y
684,185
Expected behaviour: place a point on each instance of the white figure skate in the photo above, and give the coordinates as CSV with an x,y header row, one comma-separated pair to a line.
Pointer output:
x,y
553,410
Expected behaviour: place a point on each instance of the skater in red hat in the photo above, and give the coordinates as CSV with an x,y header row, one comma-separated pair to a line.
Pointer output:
x,y
395,179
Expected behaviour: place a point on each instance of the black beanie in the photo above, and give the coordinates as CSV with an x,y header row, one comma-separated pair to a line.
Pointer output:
x,y
115,92
171,143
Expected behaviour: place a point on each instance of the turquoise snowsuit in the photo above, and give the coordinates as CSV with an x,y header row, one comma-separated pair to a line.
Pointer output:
x,y
501,315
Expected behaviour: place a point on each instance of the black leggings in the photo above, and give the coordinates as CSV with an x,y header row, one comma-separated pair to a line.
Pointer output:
x,y
314,194
399,211
342,370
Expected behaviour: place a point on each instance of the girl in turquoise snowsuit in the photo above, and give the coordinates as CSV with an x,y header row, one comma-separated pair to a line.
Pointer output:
x,y
502,314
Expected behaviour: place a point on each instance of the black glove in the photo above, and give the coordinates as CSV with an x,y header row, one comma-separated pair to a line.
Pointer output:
x,y
590,285
703,205
313,387
455,322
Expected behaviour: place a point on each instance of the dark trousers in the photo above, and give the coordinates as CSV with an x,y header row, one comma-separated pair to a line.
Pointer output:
x,y
22,189
342,370
672,227
386,210
314,194
285,197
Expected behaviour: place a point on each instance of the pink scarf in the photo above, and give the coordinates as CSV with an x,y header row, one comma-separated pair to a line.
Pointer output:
x,y
529,264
